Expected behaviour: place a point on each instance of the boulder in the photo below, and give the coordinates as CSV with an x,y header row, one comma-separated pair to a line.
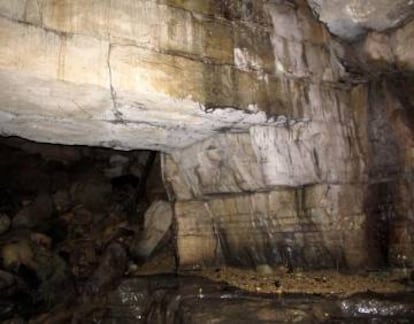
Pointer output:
x,y
158,220
4,223
92,194
35,213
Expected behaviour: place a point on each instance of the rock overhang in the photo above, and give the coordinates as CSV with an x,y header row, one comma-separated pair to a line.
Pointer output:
x,y
136,75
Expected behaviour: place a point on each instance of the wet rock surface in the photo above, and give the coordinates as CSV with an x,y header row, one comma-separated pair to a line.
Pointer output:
x,y
330,184
175,299
83,255
287,136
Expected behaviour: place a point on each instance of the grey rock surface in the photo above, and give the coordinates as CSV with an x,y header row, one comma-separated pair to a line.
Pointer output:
x,y
158,220
352,18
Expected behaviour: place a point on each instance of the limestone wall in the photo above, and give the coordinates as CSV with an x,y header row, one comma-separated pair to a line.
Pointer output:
x,y
291,193
326,183
315,227
134,74
258,106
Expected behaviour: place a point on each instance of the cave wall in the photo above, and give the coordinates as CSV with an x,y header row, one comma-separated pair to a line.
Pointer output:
x,y
286,125
134,74
292,193
389,201
330,186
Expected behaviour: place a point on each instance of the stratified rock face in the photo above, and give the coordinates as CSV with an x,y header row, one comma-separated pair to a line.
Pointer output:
x,y
260,108
315,227
341,152
266,158
233,205
134,74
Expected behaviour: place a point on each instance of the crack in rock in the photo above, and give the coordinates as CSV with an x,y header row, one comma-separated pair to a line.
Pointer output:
x,y
118,115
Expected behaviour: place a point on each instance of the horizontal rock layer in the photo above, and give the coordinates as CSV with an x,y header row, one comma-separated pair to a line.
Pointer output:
x,y
248,97
135,67
72,68
266,158
339,137
316,227
232,200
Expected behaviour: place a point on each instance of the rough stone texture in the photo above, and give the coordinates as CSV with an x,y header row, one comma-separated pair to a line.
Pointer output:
x,y
158,220
253,99
116,70
389,201
268,157
33,214
319,226
161,299
222,217
134,67
379,53
343,140
351,18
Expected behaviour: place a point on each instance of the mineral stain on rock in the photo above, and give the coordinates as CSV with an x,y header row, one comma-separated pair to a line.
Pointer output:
x,y
282,189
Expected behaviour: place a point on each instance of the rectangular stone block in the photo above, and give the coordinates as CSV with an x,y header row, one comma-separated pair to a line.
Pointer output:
x,y
145,72
18,40
147,24
205,7
347,198
77,59
306,153
137,21
219,43
269,228
253,50
197,242
13,9
222,164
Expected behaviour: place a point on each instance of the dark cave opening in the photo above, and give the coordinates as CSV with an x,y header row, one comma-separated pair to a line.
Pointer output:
x,y
72,222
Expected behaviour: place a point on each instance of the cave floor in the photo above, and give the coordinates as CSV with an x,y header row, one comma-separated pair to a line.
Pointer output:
x,y
327,282
280,281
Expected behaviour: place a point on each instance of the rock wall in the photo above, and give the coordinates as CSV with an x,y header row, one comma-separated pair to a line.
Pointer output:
x,y
288,132
351,19
320,226
134,74
327,187
389,203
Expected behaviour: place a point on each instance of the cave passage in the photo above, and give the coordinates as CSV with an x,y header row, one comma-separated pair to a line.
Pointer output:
x,y
206,161
72,222
82,224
